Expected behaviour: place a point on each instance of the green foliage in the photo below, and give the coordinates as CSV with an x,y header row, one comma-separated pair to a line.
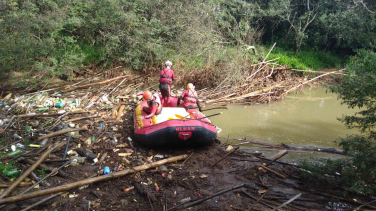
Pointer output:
x,y
307,59
60,36
357,90
42,172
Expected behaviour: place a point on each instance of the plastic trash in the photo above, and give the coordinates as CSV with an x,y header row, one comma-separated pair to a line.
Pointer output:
x,y
184,200
79,159
163,170
128,189
27,128
75,134
60,104
17,152
11,172
17,136
43,142
43,109
19,145
106,170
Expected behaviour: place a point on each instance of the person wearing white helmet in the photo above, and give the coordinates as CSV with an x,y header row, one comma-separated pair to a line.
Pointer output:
x,y
166,77
190,98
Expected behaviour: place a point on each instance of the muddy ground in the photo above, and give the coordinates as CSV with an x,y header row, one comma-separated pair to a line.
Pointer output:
x,y
209,178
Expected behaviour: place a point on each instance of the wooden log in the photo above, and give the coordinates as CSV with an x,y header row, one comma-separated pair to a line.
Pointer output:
x,y
289,147
113,175
29,170
274,172
81,118
21,185
277,156
121,109
61,132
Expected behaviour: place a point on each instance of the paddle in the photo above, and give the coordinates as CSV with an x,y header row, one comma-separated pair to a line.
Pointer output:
x,y
183,117
211,115
215,108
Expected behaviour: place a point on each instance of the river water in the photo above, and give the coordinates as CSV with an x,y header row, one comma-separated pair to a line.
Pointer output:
x,y
308,119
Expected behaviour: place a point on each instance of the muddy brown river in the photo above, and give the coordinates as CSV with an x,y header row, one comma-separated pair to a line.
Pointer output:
x,y
308,119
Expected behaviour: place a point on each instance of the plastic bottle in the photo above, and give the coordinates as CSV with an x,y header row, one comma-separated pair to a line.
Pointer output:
x,y
60,104
17,136
184,200
43,109
17,152
11,172
43,142
19,145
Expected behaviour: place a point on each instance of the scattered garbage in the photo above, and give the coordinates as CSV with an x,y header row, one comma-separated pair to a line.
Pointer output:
x,y
128,189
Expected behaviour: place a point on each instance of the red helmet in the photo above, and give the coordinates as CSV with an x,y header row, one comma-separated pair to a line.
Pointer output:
x,y
147,95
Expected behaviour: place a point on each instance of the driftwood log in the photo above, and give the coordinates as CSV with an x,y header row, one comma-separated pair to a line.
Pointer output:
x,y
288,147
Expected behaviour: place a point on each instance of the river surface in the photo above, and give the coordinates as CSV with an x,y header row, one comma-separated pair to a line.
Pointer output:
x,y
308,119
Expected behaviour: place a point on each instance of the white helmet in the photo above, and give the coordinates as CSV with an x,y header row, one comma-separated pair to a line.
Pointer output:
x,y
168,64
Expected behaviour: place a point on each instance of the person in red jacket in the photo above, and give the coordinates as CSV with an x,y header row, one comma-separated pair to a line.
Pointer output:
x,y
166,77
154,105
190,98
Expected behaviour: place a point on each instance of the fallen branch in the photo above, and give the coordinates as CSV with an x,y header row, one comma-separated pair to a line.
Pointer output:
x,y
288,202
311,80
274,172
93,84
41,202
89,180
121,109
285,146
61,132
224,157
81,118
277,156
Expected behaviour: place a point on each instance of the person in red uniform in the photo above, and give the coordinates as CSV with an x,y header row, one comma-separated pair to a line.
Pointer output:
x,y
154,105
190,98
166,77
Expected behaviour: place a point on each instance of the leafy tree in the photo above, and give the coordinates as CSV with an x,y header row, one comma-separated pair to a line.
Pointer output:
x,y
356,90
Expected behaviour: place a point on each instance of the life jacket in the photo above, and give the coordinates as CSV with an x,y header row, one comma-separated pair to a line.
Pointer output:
x,y
158,101
166,76
190,98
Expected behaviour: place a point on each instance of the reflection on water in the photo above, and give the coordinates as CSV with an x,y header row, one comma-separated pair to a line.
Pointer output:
x,y
300,119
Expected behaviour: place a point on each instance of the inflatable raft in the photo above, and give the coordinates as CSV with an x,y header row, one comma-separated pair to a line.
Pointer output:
x,y
174,126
